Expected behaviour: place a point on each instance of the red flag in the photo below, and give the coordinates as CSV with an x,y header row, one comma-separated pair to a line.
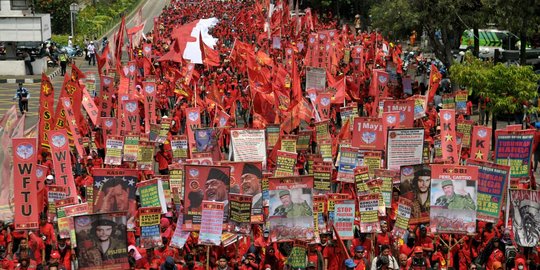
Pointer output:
x,y
46,112
76,73
62,161
131,113
296,88
149,89
435,78
322,103
90,106
379,82
24,183
339,88
210,57
119,40
109,126
480,143
66,105
448,136
71,91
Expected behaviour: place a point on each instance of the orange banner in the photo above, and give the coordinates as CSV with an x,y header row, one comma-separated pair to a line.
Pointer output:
x,y
70,118
24,185
149,89
46,114
62,161
448,136
90,106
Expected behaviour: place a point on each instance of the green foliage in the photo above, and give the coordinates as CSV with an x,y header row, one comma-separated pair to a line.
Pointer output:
x,y
395,18
60,14
94,19
507,87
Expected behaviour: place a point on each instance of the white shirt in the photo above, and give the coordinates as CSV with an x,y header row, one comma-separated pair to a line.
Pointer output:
x,y
91,49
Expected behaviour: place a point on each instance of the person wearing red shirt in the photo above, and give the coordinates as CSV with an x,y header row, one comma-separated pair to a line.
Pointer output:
x,y
46,231
249,263
332,256
383,238
359,259
418,261
163,158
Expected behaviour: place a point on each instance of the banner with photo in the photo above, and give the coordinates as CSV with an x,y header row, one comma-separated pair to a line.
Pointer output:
x,y
240,213
416,186
246,179
514,149
369,209
114,191
211,223
113,150
453,198
149,218
525,205
344,212
368,133
202,182
492,185
92,231
404,147
248,145
403,215
26,205
291,208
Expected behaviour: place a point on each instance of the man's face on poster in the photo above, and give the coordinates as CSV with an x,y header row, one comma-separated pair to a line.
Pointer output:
x,y
216,190
251,184
116,198
448,190
285,200
103,233
424,183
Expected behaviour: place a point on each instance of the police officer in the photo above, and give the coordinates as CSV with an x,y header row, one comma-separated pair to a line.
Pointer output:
x,y
451,200
290,209
22,95
63,61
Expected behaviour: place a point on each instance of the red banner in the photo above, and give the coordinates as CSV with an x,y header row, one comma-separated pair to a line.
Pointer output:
x,y
70,117
390,120
131,113
149,89
405,109
193,121
105,96
90,106
481,143
147,50
24,185
379,82
109,126
368,133
73,93
46,107
62,161
323,105
448,136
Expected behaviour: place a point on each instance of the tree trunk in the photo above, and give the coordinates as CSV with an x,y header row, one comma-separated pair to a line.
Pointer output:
x,y
476,49
523,46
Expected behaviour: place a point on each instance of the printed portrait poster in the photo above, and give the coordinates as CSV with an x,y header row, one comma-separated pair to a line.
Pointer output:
x,y
202,182
405,109
453,198
404,147
492,179
416,186
92,231
514,148
525,205
290,212
246,179
26,208
114,191
211,223
368,133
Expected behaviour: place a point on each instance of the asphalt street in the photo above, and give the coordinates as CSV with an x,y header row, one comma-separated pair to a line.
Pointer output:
x,y
150,9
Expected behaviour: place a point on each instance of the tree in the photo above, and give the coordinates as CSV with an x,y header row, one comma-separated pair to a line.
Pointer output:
x,y
60,14
508,88
443,21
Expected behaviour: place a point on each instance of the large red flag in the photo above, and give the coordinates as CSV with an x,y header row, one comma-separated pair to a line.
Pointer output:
x,y
435,78
62,161
210,57
46,114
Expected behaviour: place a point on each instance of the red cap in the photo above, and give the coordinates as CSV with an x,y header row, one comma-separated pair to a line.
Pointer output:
x,y
418,250
55,255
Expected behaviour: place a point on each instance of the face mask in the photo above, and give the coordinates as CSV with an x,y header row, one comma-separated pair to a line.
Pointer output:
x,y
520,267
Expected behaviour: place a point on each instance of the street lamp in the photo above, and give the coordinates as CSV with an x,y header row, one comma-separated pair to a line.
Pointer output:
x,y
74,9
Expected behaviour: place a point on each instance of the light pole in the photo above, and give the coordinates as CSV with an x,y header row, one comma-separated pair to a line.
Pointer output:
x,y
73,8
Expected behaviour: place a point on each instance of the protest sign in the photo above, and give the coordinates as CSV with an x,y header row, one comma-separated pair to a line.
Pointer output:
x,y
288,143
89,238
151,194
361,176
346,164
149,218
524,205
113,153
416,186
368,133
403,215
298,259
114,191
453,198
272,135
145,155
303,141
240,213
179,146
388,178
460,99
322,175
369,219
465,127
290,208
26,206
405,109
344,212
204,183
404,147
179,237
131,147
211,223
514,148
285,163
248,145
492,184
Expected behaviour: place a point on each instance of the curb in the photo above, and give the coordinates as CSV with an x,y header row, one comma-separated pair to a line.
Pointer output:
x,y
31,80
